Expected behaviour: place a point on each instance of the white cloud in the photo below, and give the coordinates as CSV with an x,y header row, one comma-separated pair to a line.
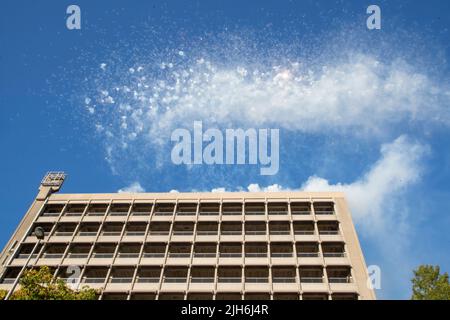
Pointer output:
x,y
135,187
370,197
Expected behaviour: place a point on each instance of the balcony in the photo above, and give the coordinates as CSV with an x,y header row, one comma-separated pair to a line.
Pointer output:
x,y
53,253
329,230
202,279
52,210
255,231
120,279
207,231
340,278
128,254
179,254
87,232
231,231
277,211
209,209
111,231
186,210
175,279
257,279
284,279
95,211
312,279
141,211
163,210
103,253
183,231
159,231
47,230
300,209
205,254
256,253
254,209
147,279
280,231
229,279
154,253
324,208
231,209
134,230
95,277
118,212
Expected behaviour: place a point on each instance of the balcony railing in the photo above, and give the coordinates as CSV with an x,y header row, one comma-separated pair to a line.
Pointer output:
x,y
93,280
111,233
25,256
256,279
186,213
163,213
324,212
232,213
128,255
279,232
159,232
339,279
87,233
120,279
179,254
51,214
283,279
278,212
175,279
300,212
147,279
153,254
202,279
206,233
230,279
103,255
231,232
256,254
311,279
134,233
209,213
230,255
281,254
8,280
303,232
183,233
254,213
307,254
204,254
334,254
95,214
53,255
255,232
139,213
329,232
78,255
63,233
73,214
118,213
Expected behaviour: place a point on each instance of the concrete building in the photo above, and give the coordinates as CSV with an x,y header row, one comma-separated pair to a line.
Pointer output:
x,y
281,245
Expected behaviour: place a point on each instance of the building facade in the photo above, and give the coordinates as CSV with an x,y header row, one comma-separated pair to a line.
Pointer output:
x,y
231,246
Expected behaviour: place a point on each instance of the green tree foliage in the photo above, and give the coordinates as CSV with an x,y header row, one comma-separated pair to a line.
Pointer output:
x,y
3,294
429,284
37,284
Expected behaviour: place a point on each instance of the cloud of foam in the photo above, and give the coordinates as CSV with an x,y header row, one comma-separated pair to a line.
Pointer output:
x,y
359,94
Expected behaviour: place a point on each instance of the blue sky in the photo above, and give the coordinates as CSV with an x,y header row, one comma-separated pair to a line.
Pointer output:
x,y
366,112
